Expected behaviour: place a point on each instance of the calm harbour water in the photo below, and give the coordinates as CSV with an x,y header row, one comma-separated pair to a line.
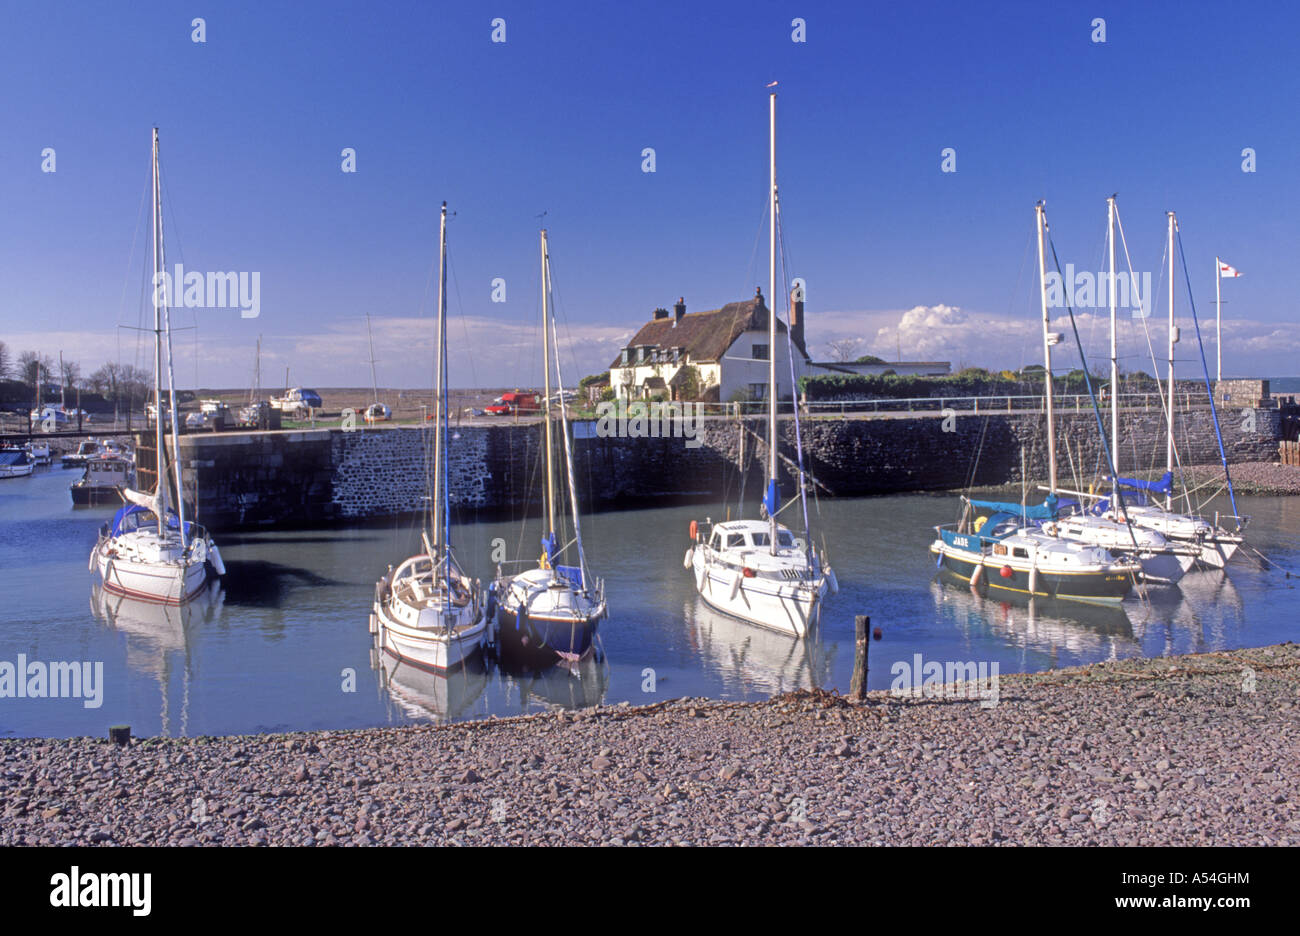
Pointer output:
x,y
268,651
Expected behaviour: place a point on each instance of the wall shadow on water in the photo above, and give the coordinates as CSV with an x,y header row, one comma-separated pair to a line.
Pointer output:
x,y
260,583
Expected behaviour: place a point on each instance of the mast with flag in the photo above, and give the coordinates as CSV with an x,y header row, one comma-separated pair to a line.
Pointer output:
x,y
1222,272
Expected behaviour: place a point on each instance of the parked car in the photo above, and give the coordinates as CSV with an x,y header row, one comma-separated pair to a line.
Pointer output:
x,y
514,402
297,402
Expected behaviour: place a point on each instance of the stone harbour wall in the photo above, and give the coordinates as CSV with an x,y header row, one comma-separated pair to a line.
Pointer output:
x,y
285,479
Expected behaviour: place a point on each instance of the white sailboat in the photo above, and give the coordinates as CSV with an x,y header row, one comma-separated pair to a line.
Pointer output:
x,y
551,611
167,558
376,411
757,570
1213,546
1162,562
428,612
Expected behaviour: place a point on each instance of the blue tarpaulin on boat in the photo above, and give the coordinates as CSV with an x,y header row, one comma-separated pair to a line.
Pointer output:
x,y
572,573
1164,486
1044,511
133,510
769,499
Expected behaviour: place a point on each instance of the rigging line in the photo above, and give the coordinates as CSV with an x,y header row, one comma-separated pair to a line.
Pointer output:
x,y
1101,428
1144,314
464,324
1205,369
758,236
794,395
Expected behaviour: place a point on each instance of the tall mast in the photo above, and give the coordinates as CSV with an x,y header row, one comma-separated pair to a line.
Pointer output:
x,y
256,392
374,382
1114,343
438,379
171,376
160,490
771,328
63,382
546,389
1218,317
1047,350
1173,340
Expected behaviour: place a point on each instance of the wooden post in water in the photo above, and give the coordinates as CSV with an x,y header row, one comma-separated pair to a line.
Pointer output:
x,y
862,637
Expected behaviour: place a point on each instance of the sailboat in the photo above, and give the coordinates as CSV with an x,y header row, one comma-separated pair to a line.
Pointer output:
x,y
376,411
1105,522
429,612
757,570
1020,548
551,612
1213,545
150,551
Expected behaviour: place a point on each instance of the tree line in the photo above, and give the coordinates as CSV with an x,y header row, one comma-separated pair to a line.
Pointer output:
x,y
111,386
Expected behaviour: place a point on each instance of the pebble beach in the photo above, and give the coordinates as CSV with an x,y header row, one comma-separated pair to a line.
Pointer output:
x,y
1189,750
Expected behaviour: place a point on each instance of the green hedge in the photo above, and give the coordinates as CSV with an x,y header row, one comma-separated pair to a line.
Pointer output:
x,y
973,381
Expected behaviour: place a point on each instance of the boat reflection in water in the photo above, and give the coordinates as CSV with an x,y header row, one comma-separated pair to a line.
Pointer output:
x,y
155,634
564,685
1204,613
754,659
1049,626
423,695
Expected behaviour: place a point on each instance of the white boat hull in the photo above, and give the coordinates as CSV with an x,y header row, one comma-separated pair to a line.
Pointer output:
x,y
165,582
414,621
429,649
786,607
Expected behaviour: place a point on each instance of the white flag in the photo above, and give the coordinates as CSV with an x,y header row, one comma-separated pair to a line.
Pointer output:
x,y
1225,271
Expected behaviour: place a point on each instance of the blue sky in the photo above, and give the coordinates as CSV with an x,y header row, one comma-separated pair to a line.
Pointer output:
x,y
895,252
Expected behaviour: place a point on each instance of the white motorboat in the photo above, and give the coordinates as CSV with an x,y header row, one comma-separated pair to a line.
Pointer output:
x,y
105,477
38,453
551,612
756,570
428,612
86,450
151,551
14,463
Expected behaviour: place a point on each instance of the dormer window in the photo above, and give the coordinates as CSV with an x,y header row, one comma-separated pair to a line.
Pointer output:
x,y
627,355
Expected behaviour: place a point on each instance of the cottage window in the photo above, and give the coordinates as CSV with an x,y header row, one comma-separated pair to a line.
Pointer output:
x,y
627,355
758,391
760,352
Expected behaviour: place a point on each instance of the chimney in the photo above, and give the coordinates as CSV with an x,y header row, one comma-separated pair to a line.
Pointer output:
x,y
796,316
680,309
661,314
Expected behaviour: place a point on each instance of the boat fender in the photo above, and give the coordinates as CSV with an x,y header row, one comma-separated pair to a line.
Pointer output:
x,y
1007,571
735,585
214,556
834,582
1033,579
491,609
690,552
976,575
695,530
374,623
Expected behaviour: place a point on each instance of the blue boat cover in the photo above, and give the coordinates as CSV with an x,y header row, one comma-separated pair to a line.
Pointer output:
x,y
1044,511
769,499
1164,486
572,573
548,544
131,510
